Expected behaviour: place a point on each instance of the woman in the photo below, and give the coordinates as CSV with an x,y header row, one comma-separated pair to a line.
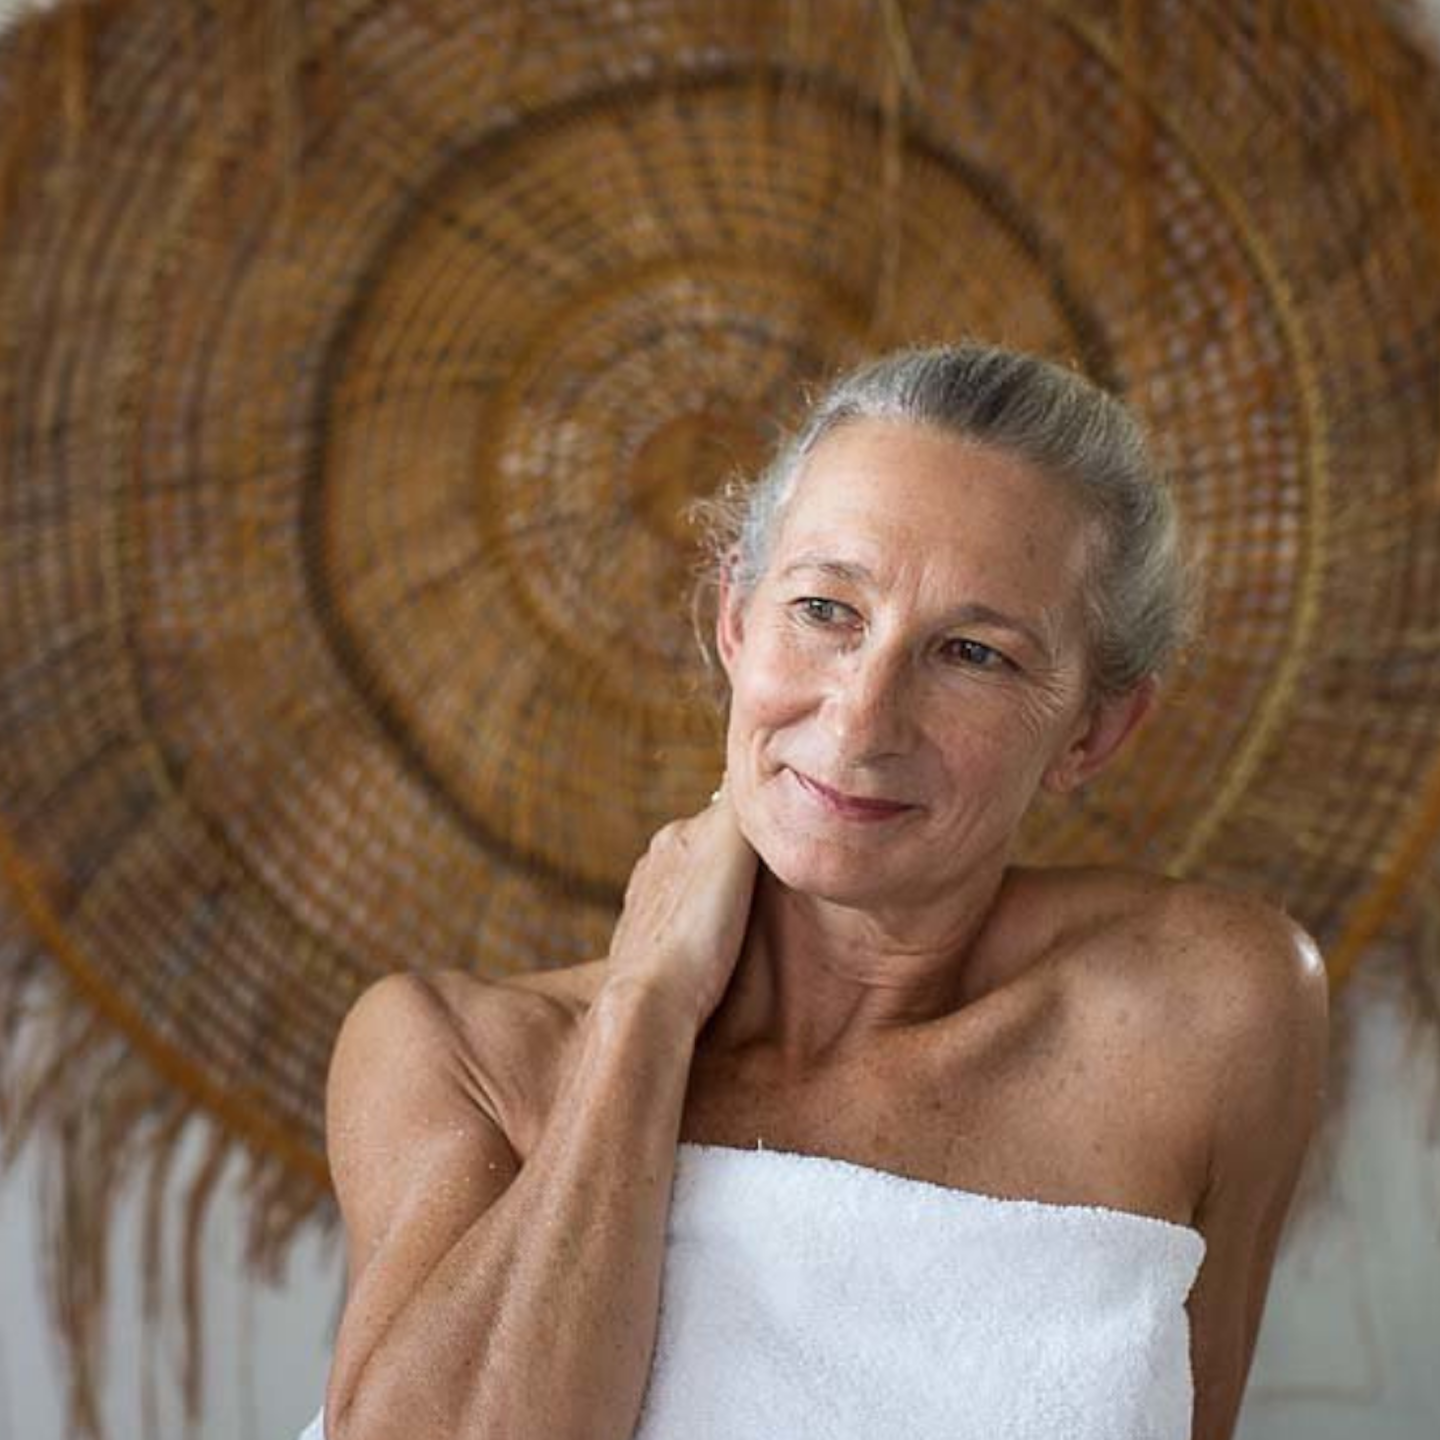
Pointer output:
x,y
955,588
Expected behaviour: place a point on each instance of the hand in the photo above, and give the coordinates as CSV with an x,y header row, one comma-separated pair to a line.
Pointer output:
x,y
687,906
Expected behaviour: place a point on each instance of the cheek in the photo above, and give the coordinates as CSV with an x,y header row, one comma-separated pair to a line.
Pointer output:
x,y
771,687
993,744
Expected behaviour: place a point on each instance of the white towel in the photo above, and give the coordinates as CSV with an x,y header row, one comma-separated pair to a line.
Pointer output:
x,y
814,1299
315,1430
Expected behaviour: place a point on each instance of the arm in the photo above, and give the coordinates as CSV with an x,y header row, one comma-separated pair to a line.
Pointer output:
x,y
491,1300
1268,1028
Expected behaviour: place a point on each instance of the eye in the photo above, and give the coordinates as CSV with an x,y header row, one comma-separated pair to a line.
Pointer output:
x,y
976,655
820,611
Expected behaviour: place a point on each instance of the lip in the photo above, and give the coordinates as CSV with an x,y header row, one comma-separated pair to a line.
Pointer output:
x,y
851,807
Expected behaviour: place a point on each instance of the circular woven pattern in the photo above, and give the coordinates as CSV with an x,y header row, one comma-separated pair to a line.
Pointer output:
x,y
351,403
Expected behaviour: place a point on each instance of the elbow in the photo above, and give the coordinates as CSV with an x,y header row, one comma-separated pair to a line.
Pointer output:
x,y
378,1410
340,1421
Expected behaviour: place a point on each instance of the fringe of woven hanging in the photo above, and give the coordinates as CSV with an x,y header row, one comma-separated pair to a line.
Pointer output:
x,y
1418,953
1409,949
104,1125
1417,960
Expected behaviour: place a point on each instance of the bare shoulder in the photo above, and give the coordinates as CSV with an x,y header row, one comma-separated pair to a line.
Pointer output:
x,y
1260,974
452,1041
1259,1001
1232,959
496,1019
418,1040
444,1017
513,1035
1225,996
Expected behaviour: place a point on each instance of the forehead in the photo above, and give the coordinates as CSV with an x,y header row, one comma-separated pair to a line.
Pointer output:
x,y
897,496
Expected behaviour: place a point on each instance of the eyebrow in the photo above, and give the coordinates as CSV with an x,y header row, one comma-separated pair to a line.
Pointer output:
x,y
837,569
971,612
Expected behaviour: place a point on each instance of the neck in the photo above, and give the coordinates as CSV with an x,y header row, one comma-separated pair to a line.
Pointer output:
x,y
816,980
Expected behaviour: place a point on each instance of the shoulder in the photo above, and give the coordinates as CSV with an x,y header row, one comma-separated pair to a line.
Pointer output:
x,y
480,1014
1230,991
435,1014
1244,958
1238,998
1259,1000
1251,993
413,1038
492,1045
1250,971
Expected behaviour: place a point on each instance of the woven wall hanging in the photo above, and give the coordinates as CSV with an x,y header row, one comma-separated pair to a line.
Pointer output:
x,y
357,361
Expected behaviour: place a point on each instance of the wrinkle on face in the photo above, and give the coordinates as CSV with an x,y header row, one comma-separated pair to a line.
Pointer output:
x,y
921,541
906,674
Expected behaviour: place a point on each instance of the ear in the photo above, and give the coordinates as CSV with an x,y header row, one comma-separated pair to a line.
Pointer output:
x,y
729,617
1106,727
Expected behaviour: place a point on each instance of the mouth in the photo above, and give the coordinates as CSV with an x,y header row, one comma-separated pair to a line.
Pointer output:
x,y
851,807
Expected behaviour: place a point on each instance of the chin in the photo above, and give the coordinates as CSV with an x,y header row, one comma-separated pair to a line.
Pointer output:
x,y
825,871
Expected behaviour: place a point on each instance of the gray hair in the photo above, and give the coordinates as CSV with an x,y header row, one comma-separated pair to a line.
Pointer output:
x,y
1140,591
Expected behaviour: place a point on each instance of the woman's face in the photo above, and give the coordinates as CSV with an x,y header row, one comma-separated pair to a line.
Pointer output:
x,y
910,668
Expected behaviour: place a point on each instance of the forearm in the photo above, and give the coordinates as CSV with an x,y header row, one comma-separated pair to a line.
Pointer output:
x,y
541,1320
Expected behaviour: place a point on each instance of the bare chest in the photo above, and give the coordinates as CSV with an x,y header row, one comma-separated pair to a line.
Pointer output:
x,y
1039,1098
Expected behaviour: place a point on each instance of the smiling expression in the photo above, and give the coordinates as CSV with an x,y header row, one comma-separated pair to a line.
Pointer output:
x,y
910,668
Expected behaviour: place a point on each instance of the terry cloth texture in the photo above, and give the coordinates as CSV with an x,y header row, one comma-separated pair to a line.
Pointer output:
x,y
816,1298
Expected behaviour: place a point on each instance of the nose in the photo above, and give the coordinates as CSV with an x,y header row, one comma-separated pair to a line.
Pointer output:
x,y
868,709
